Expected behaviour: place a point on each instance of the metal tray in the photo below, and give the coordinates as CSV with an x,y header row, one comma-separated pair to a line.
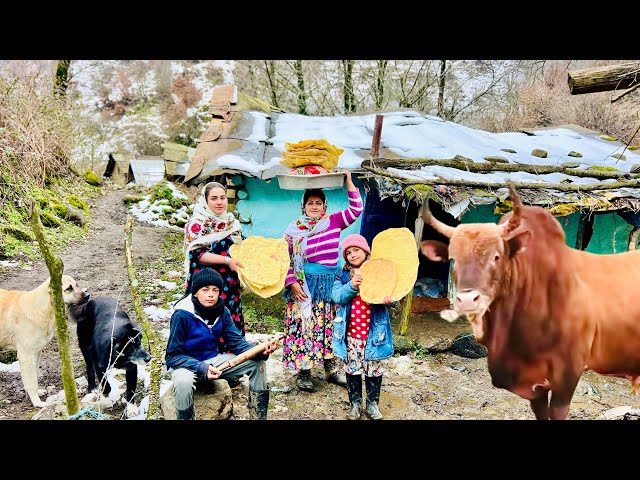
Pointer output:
x,y
325,181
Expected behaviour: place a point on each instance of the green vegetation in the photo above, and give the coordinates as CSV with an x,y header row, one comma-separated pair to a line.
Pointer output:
x,y
91,178
603,169
162,191
76,202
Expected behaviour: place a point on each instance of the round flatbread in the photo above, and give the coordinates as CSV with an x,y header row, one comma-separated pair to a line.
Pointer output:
x,y
379,278
399,246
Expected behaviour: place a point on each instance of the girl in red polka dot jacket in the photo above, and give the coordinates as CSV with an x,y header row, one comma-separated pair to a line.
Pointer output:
x,y
361,332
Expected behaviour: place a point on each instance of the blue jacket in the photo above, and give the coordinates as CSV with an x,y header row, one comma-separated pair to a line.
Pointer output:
x,y
191,340
379,342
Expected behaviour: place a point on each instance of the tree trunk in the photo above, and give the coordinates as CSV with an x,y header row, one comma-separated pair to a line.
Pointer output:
x,y
604,79
61,81
563,187
441,85
56,267
270,68
349,97
157,352
302,96
463,163
378,91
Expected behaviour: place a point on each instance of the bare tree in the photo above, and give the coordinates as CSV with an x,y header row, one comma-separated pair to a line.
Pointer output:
x,y
61,80
378,91
270,70
302,97
441,86
349,96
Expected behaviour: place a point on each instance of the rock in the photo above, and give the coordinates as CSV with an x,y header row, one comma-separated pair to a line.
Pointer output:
x,y
465,345
621,413
75,215
214,405
436,344
618,156
574,154
571,164
508,150
635,168
537,152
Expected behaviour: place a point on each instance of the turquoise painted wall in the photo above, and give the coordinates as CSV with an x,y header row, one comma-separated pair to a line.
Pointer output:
x,y
485,214
272,209
610,234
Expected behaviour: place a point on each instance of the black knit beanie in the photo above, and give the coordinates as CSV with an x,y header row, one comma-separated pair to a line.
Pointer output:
x,y
204,278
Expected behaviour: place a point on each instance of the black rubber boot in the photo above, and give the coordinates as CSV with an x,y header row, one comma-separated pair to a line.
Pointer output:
x,y
373,385
331,373
304,381
258,404
354,388
188,414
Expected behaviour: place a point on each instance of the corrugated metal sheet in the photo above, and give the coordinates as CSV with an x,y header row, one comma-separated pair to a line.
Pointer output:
x,y
147,172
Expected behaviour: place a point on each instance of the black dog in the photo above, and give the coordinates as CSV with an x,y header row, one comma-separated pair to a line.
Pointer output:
x,y
108,339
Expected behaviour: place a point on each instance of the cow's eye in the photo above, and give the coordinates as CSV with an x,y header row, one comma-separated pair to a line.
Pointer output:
x,y
68,289
496,258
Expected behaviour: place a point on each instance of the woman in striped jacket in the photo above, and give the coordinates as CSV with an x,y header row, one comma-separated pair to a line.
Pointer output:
x,y
313,246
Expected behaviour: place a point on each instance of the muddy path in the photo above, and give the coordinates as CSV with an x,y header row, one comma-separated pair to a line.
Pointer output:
x,y
438,386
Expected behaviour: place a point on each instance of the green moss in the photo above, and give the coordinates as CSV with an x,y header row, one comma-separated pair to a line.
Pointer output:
x,y
76,202
632,147
91,178
418,192
496,159
8,356
39,197
619,156
603,169
162,191
59,209
574,154
538,152
19,233
49,220
263,315
180,223
607,138
129,199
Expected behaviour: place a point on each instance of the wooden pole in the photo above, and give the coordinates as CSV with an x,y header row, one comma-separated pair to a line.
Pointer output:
x,y
604,79
377,134
157,352
56,267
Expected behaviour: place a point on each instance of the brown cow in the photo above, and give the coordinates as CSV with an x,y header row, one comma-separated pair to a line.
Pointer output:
x,y
546,312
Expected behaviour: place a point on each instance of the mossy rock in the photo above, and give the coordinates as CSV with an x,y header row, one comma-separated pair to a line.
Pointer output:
x,y
59,209
49,220
619,156
496,159
574,154
608,138
632,147
603,169
129,199
19,233
508,150
76,202
538,152
403,345
91,178
635,168
571,164
418,192
39,197
76,216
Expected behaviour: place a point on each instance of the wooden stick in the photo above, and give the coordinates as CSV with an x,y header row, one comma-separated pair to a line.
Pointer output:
x,y
377,133
248,355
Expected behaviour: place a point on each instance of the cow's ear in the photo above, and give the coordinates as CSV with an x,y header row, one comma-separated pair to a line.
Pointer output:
x,y
435,251
519,242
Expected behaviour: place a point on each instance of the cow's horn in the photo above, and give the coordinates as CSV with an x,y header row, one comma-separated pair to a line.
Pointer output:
x,y
429,219
515,198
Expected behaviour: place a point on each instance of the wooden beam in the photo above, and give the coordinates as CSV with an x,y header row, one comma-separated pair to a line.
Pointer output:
x,y
604,79
377,133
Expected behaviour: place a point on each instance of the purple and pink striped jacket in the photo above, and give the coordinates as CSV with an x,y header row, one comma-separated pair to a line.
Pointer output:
x,y
323,247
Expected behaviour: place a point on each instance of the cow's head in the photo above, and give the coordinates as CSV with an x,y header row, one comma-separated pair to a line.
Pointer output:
x,y
481,254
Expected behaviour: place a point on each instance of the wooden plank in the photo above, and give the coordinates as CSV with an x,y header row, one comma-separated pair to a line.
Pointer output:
x,y
213,132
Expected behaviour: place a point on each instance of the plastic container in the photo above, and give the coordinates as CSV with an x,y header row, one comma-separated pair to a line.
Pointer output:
x,y
325,181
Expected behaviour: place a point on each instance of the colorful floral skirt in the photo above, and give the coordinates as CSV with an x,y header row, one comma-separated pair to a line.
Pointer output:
x,y
356,364
311,349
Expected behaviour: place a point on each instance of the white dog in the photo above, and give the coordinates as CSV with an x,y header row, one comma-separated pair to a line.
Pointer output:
x,y
27,325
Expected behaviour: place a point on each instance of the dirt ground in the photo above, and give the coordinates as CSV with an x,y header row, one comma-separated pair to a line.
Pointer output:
x,y
438,386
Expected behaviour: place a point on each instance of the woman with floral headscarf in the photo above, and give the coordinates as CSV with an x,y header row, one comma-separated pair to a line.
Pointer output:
x,y
209,234
313,246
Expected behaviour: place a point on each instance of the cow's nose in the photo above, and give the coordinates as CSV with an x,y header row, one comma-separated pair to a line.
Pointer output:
x,y
468,300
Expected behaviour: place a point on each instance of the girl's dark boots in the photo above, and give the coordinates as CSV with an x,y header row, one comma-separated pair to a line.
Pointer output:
x,y
187,414
354,388
331,373
373,385
258,404
304,382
